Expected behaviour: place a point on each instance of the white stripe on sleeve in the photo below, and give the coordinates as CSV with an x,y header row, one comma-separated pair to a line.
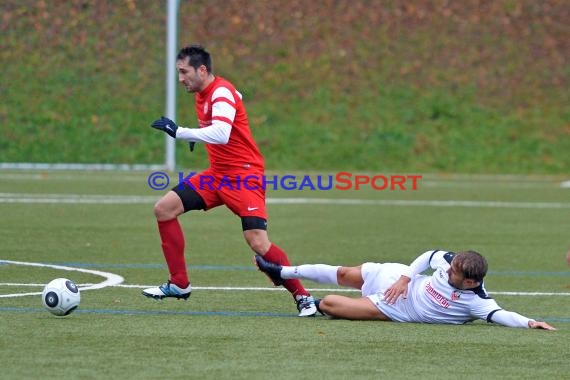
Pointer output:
x,y
217,133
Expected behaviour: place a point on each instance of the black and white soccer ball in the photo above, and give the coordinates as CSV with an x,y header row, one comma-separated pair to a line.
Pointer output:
x,y
61,296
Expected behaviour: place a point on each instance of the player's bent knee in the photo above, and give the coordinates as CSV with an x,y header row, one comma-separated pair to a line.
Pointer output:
x,y
257,241
259,247
165,209
160,211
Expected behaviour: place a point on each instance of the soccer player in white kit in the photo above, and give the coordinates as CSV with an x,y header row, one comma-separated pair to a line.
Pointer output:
x,y
453,294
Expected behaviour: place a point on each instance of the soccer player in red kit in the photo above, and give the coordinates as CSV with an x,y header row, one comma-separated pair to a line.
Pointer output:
x,y
234,157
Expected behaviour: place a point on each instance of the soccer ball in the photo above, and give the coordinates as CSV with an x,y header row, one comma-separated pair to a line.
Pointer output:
x,y
61,296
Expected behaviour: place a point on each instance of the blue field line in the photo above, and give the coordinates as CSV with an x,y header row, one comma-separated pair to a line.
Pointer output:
x,y
554,320
159,312
199,313
252,268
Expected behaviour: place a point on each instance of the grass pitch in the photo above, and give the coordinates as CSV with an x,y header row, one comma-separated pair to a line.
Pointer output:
x,y
235,325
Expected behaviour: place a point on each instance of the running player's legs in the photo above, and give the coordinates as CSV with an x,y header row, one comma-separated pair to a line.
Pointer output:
x,y
183,198
179,200
247,200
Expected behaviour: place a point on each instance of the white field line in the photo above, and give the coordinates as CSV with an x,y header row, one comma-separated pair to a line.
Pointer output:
x,y
83,176
111,279
136,199
80,167
258,289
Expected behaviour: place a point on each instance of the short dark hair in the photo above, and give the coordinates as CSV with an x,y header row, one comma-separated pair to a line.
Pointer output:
x,y
197,56
473,265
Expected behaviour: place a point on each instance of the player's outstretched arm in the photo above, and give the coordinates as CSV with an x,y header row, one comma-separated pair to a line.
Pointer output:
x,y
540,325
512,319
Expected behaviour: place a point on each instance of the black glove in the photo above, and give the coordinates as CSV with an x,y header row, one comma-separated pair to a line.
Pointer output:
x,y
191,145
166,125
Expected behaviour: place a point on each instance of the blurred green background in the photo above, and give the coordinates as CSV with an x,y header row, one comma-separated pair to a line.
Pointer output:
x,y
426,86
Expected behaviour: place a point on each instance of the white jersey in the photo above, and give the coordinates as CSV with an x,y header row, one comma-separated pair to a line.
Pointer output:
x,y
431,299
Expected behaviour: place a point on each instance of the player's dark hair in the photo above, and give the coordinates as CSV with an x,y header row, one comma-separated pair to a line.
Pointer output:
x,y
473,265
196,55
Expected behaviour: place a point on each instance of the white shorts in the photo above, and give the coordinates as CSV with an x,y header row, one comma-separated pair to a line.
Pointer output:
x,y
378,278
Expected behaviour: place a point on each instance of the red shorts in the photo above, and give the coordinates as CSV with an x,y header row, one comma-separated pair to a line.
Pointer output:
x,y
242,193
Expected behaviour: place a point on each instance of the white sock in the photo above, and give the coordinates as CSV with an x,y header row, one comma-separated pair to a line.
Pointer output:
x,y
321,273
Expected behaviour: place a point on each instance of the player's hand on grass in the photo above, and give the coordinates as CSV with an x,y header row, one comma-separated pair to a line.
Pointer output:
x,y
399,288
166,125
540,325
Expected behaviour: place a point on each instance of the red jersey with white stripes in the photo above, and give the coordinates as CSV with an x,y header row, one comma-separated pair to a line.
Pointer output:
x,y
220,102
